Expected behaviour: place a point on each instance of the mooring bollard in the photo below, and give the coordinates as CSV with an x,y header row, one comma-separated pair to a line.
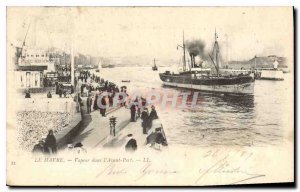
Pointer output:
x,y
112,124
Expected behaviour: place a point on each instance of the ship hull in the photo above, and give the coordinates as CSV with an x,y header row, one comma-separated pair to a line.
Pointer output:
x,y
238,85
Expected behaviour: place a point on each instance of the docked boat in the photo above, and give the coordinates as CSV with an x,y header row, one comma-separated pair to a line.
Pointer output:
x,y
154,68
269,74
198,78
259,73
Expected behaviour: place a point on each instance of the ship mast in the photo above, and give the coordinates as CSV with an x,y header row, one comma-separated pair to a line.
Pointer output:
x,y
217,52
183,44
183,47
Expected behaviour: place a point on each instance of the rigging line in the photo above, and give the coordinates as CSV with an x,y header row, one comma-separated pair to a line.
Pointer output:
x,y
23,44
216,51
213,61
26,33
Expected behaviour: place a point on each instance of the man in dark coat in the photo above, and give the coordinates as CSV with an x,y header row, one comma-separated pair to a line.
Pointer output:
x,y
105,85
131,145
153,113
152,116
60,91
81,89
50,144
132,112
111,99
95,103
144,118
89,103
49,95
103,107
27,94
79,100
56,87
138,101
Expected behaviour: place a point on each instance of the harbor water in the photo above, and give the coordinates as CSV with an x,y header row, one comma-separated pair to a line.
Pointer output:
x,y
218,119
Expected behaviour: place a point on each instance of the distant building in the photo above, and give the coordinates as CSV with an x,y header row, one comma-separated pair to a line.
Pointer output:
x,y
31,66
37,57
259,62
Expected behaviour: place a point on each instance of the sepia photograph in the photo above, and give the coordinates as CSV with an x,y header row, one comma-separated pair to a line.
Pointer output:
x,y
149,96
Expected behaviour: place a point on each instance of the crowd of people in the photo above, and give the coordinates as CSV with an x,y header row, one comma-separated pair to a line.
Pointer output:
x,y
33,127
93,83
61,90
138,105
37,129
148,118
48,82
154,138
97,84
136,110
84,75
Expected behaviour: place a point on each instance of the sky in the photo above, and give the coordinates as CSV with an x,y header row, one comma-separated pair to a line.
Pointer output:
x,y
154,31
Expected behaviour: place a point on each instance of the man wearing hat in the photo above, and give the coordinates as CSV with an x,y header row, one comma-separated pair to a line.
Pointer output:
x,y
131,145
78,148
145,117
153,115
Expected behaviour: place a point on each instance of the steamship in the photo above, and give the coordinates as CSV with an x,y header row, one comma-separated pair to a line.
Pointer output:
x,y
198,78
154,68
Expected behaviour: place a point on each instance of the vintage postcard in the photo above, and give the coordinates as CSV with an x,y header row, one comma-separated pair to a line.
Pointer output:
x,y
150,96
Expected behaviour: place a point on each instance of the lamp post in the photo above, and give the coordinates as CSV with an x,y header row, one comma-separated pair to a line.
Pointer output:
x,y
112,124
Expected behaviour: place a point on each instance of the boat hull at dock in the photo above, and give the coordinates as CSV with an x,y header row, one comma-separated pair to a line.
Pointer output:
x,y
234,85
246,88
275,75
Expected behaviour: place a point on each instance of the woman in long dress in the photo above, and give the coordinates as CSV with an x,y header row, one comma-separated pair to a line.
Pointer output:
x,y
50,144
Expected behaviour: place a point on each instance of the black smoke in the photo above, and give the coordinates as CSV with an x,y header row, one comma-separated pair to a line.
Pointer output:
x,y
195,48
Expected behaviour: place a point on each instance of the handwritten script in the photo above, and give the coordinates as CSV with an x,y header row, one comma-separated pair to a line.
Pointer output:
x,y
214,167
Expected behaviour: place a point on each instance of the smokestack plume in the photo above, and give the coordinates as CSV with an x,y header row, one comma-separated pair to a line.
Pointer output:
x,y
195,47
